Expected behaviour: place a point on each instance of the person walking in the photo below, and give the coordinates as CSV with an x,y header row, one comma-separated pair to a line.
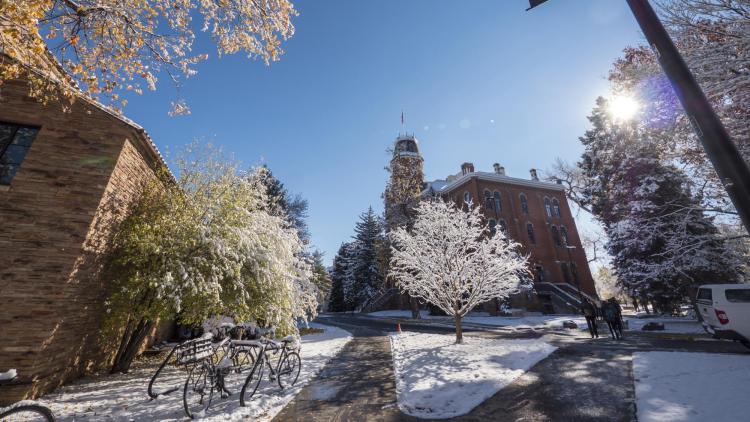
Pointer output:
x,y
610,317
589,312
618,320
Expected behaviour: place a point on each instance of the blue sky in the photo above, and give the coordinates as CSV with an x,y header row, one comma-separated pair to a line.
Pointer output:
x,y
479,81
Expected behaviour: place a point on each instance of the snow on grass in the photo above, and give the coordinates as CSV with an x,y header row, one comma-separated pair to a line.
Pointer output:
x,y
436,378
681,386
123,397
483,318
678,325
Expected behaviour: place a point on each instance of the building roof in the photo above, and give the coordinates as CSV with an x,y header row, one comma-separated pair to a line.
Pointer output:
x,y
446,186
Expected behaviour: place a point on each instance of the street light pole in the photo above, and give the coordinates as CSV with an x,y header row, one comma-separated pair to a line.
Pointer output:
x,y
732,169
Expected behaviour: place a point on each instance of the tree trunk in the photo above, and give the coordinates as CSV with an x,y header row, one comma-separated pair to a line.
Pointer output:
x,y
414,303
459,330
132,345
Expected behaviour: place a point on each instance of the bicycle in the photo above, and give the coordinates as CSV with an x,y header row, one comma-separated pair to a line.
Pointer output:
x,y
287,368
24,410
208,373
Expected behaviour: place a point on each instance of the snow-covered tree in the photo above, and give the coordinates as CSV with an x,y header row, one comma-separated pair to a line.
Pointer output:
x,y
281,203
340,279
450,260
365,266
203,245
661,241
320,276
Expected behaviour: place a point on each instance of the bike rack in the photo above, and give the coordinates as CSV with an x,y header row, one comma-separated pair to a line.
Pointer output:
x,y
187,353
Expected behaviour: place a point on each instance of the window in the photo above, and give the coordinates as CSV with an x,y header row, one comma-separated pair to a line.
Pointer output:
x,y
524,204
565,271
556,208
530,232
15,141
564,235
574,272
737,295
539,274
467,198
498,201
555,235
493,227
502,225
488,200
705,294
547,207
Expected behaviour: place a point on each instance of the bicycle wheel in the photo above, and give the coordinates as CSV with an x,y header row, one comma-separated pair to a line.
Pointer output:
x,y
243,360
27,413
289,370
252,382
198,392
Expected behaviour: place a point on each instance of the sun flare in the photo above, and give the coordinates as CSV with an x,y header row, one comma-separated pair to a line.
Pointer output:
x,y
623,107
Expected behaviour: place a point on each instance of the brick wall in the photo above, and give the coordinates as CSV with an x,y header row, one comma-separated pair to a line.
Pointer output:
x,y
84,168
544,252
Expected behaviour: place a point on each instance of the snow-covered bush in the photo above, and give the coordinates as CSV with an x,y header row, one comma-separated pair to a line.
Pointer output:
x,y
204,245
451,260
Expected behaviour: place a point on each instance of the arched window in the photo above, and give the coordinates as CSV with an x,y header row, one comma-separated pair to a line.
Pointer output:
x,y
467,198
547,207
488,199
556,208
498,201
524,204
530,232
555,235
493,226
564,235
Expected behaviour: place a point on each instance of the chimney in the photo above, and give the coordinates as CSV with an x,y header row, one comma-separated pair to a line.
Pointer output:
x,y
533,175
467,168
499,169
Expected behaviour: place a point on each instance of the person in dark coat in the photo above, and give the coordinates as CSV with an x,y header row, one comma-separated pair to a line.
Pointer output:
x,y
589,311
612,318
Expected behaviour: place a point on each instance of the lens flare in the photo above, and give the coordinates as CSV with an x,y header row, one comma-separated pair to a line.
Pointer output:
x,y
623,107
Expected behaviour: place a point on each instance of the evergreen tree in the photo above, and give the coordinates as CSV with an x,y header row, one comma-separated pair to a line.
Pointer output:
x,y
339,277
366,271
661,241
280,203
320,277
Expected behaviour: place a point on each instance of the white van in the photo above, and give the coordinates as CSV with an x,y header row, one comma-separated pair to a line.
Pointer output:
x,y
725,311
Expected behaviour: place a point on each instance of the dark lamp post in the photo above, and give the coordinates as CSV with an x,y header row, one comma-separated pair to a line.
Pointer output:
x,y
732,169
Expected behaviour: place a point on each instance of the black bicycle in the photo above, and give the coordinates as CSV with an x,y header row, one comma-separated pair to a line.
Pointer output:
x,y
24,410
207,373
287,369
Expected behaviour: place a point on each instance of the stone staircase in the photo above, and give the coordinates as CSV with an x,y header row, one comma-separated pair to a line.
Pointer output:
x,y
377,303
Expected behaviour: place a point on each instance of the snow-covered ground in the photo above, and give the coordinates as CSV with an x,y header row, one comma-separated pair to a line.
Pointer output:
x,y
678,325
483,318
681,386
124,397
436,378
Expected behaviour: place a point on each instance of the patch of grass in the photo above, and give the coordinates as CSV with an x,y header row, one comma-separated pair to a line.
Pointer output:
x,y
305,331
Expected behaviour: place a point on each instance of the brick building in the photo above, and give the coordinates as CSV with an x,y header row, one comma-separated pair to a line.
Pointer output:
x,y
66,181
532,212
535,214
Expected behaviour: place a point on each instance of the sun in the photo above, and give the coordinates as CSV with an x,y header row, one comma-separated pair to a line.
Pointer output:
x,y
623,107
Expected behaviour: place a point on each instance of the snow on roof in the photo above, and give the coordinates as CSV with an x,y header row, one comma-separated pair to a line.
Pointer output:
x,y
445,186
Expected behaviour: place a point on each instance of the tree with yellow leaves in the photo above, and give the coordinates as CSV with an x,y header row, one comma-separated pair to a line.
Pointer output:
x,y
106,47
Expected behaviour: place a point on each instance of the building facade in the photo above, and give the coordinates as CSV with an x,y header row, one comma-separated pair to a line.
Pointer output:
x,y
535,214
67,178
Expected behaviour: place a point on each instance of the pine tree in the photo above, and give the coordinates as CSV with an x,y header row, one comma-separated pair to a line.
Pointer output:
x,y
661,241
320,277
365,262
280,203
339,278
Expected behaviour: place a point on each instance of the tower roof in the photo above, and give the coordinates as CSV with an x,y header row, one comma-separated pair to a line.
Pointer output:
x,y
406,145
